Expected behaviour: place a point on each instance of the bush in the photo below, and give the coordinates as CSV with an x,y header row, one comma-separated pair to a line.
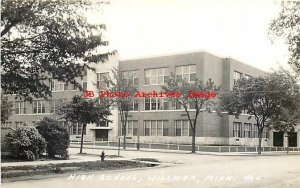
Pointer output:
x,y
26,143
56,136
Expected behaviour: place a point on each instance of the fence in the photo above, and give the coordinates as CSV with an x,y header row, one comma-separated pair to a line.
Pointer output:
x,y
187,147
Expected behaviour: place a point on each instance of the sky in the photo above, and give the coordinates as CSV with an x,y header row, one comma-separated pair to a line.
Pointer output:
x,y
226,28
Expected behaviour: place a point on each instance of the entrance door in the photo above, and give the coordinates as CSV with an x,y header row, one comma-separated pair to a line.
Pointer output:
x,y
293,140
101,134
278,139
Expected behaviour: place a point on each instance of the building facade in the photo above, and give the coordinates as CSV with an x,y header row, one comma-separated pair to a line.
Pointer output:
x,y
155,120
27,114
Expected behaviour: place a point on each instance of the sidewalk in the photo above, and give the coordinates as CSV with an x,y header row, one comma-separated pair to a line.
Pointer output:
x,y
74,157
268,153
92,153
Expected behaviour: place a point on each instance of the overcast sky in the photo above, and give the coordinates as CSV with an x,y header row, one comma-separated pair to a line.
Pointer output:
x,y
226,28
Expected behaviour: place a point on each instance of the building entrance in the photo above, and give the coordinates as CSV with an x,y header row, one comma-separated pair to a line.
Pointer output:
x,y
278,139
101,134
293,140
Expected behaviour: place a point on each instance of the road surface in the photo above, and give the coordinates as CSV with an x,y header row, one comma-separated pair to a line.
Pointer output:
x,y
190,170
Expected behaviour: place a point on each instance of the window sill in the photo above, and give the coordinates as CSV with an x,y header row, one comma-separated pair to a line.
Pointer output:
x,y
192,110
35,114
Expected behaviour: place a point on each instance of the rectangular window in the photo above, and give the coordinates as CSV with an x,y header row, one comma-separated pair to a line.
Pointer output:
x,y
102,124
7,124
182,128
131,77
74,87
237,129
84,83
254,131
131,128
102,80
160,128
147,103
147,125
134,105
156,76
178,106
58,86
53,106
156,104
265,133
19,124
247,130
247,76
74,132
77,128
38,107
178,128
155,128
20,107
236,76
186,72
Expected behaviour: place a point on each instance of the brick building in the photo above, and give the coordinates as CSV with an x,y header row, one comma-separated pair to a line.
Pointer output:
x,y
155,120
26,114
158,121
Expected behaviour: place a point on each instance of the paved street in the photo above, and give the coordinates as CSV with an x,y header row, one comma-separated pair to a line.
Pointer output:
x,y
191,170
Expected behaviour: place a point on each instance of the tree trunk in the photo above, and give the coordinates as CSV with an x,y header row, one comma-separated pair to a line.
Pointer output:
x,y
124,139
259,142
124,126
287,148
81,144
194,141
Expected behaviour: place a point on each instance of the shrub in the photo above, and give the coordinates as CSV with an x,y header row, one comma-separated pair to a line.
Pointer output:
x,y
26,143
56,136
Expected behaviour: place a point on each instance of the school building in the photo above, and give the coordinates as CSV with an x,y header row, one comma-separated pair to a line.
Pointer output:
x,y
155,120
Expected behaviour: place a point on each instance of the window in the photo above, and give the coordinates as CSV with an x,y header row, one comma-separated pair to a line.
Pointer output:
x,y
156,76
77,128
155,128
131,77
178,106
102,124
58,86
38,107
245,111
134,105
156,104
236,76
53,106
20,107
247,76
19,124
6,124
186,72
182,128
237,129
84,83
131,128
247,130
102,80
147,125
265,133
255,131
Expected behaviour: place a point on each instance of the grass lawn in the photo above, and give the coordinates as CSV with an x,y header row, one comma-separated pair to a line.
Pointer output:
x,y
48,169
